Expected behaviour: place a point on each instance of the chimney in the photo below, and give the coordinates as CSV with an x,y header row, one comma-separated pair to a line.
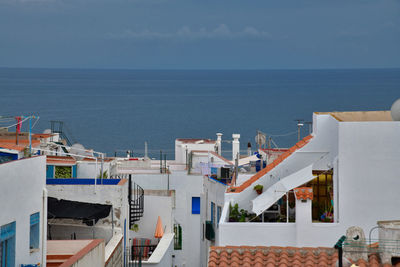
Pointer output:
x,y
219,141
235,146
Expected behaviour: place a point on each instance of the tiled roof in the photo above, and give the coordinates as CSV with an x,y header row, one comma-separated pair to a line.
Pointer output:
x,y
42,135
22,144
304,193
270,166
246,256
60,160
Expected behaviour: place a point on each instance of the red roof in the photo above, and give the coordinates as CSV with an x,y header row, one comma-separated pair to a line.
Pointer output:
x,y
60,160
246,256
270,166
22,144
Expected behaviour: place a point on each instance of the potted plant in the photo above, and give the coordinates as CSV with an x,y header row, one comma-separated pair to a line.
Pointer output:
x,y
259,188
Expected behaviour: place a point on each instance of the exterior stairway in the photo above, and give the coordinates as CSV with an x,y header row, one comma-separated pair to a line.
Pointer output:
x,y
136,202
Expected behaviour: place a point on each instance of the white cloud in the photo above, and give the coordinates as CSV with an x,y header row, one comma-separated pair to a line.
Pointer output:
x,y
221,32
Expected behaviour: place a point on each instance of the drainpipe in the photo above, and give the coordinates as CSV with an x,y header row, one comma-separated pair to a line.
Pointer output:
x,y
44,229
339,247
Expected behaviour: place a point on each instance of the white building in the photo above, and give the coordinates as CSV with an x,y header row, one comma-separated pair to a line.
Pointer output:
x,y
351,162
23,217
186,200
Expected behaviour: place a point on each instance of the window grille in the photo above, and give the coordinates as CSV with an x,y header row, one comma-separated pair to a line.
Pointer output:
x,y
177,237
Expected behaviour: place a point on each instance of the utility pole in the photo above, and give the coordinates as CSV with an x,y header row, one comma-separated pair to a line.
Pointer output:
x,y
300,123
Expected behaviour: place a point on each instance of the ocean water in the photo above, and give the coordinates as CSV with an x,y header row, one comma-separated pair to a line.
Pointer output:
x,y
116,110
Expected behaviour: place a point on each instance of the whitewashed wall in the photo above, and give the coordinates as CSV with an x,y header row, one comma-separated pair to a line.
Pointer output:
x,y
186,187
88,169
213,192
22,184
154,206
365,158
180,149
115,195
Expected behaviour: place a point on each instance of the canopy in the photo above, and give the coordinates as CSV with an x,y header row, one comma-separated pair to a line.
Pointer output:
x,y
279,189
159,229
66,209
247,160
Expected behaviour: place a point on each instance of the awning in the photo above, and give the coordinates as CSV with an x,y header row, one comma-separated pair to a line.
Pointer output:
x,y
66,209
279,189
247,160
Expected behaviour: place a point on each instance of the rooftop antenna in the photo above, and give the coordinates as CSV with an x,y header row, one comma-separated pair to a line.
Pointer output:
x,y
261,138
300,123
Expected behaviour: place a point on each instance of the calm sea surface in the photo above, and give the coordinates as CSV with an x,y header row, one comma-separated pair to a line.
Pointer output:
x,y
111,110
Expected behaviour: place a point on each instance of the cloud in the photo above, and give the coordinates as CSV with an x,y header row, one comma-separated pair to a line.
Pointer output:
x,y
221,32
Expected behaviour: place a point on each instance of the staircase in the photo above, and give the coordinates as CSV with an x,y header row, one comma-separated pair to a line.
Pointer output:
x,y
136,202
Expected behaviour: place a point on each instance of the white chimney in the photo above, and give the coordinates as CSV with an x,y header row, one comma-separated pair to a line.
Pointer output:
x,y
235,146
219,141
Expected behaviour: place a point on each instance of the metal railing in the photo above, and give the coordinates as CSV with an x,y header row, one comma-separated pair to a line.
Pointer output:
x,y
136,254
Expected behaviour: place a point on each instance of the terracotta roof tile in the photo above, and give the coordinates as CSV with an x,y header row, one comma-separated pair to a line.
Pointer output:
x,y
279,256
270,166
304,193
22,144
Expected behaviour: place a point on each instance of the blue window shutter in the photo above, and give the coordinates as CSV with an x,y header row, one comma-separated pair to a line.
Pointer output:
x,y
50,171
195,205
35,218
7,240
34,231
74,171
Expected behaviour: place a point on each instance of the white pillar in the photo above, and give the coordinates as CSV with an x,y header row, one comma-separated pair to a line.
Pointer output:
x,y
303,216
235,146
219,141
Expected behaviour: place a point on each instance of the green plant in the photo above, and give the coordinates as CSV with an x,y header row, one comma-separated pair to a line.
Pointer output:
x,y
104,176
135,227
234,214
258,188
63,172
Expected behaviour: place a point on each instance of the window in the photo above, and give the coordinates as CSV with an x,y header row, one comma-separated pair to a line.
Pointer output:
x,y
7,245
63,172
219,209
34,231
177,237
195,205
212,213
322,204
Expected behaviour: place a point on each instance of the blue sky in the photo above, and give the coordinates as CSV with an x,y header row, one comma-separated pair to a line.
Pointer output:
x,y
201,34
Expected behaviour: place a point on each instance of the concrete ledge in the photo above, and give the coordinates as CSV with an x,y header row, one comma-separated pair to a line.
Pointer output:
x,y
112,245
161,249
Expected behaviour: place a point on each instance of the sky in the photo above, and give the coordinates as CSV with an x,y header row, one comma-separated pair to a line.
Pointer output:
x,y
200,34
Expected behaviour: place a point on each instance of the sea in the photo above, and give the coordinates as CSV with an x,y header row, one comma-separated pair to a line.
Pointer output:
x,y
118,110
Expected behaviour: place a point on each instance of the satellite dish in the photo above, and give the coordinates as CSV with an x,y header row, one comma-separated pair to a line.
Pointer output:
x,y
395,110
47,131
80,152
261,138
